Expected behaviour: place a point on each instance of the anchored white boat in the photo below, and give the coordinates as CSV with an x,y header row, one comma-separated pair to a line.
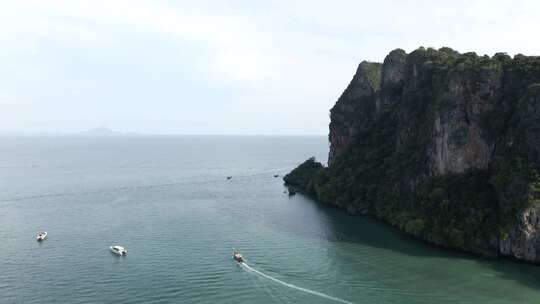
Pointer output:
x,y
119,250
41,236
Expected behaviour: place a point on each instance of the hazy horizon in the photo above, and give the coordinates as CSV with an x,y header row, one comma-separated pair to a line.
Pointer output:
x,y
107,132
220,67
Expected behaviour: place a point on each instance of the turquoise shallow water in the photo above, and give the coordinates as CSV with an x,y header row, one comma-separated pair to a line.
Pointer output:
x,y
168,201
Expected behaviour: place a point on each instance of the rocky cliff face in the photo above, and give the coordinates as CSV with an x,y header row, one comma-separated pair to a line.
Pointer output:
x,y
445,146
359,101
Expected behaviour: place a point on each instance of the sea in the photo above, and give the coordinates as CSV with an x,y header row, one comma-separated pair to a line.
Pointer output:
x,y
169,201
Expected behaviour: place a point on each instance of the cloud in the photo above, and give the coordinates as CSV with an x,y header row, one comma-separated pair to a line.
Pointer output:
x,y
240,64
237,48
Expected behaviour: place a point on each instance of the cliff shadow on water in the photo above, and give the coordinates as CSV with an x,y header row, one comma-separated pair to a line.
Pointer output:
x,y
337,226
388,243
441,145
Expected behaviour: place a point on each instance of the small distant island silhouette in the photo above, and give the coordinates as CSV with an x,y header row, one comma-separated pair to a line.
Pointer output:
x,y
103,131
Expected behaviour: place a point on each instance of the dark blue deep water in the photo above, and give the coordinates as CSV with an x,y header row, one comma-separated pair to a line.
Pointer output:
x,y
168,201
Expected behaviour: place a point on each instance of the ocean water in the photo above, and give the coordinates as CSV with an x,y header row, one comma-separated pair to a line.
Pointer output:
x,y
167,199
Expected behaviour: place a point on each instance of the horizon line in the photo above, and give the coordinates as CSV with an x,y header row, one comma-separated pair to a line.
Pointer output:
x,y
131,134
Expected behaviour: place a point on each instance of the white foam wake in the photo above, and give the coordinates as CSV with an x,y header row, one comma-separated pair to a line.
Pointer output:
x,y
313,292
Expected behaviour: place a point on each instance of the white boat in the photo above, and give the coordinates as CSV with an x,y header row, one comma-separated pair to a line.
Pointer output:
x,y
238,257
119,250
41,236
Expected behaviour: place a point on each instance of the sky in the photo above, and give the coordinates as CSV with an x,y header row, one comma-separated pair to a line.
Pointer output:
x,y
221,67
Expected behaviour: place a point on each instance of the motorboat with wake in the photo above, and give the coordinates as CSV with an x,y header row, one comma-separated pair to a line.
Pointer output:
x,y
238,257
118,250
41,236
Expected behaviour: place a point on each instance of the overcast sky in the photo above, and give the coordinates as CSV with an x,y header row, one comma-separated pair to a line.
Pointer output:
x,y
221,67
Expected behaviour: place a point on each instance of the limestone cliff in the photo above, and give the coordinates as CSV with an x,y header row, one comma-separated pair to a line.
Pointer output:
x,y
443,145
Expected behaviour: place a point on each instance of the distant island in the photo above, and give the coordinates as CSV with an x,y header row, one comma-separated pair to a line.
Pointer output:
x,y
102,132
442,145
95,132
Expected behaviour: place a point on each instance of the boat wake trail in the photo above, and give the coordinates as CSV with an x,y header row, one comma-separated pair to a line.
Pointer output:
x,y
313,292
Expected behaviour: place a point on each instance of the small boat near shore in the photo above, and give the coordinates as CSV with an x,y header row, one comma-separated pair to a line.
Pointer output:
x,y
118,250
238,257
41,236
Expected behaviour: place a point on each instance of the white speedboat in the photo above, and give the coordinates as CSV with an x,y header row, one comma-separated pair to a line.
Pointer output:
x,y
119,250
238,257
41,236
